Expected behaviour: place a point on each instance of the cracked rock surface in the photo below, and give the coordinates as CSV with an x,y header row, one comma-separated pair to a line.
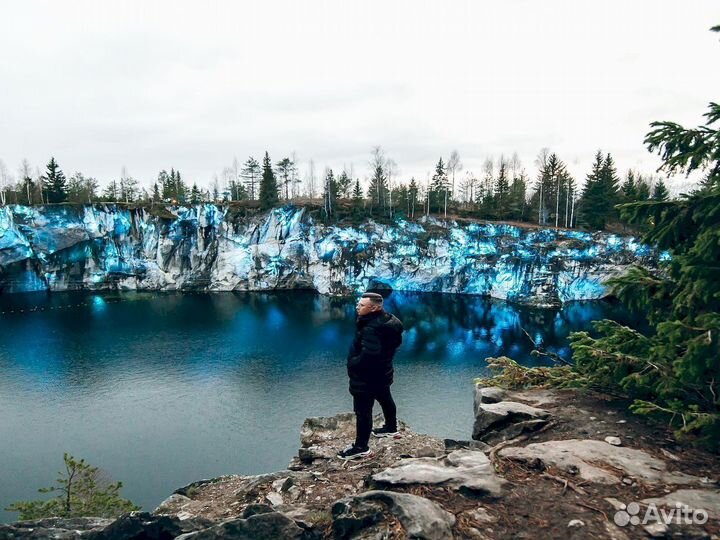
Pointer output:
x,y
586,456
502,420
468,469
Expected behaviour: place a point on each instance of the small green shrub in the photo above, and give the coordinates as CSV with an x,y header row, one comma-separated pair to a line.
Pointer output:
x,y
82,490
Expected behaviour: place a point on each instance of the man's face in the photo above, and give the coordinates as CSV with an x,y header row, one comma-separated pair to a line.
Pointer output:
x,y
365,306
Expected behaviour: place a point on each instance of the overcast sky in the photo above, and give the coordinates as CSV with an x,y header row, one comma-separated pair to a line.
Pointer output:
x,y
152,85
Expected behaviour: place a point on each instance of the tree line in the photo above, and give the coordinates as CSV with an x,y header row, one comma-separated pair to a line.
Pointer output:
x,y
503,191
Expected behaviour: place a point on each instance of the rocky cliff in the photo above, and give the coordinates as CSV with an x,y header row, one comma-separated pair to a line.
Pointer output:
x,y
213,248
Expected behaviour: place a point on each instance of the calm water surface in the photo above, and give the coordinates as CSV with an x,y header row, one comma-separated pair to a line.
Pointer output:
x,y
160,390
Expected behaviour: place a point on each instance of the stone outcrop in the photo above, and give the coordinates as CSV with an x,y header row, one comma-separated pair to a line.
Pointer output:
x,y
262,526
464,469
502,420
583,457
707,500
214,248
54,527
358,517
128,527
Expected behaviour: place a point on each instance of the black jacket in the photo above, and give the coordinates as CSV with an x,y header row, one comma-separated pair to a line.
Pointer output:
x,y
369,362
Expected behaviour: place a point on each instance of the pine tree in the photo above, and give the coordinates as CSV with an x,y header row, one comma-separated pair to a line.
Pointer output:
x,y
344,183
412,197
517,197
194,195
180,189
112,192
165,185
673,371
82,490
268,185
400,198
600,194
172,186
550,194
330,193
502,193
439,186
377,191
251,172
357,194
54,183
610,180
156,192
285,169
660,192
629,188
643,189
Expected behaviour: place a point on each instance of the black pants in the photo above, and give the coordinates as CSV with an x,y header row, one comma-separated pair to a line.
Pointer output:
x,y
363,405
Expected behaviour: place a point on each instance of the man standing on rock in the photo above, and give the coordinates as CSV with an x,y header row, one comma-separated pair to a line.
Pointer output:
x,y
378,334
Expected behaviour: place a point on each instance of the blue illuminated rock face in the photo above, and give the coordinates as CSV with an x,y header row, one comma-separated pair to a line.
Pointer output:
x,y
205,248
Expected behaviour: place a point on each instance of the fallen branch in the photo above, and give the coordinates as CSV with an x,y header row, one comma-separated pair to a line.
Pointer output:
x,y
494,450
593,508
566,484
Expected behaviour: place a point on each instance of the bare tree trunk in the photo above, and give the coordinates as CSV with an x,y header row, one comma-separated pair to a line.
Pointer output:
x,y
567,202
557,202
311,180
390,213
540,204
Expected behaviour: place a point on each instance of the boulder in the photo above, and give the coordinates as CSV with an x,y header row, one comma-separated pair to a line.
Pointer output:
x,y
695,499
496,422
452,444
420,517
580,456
274,498
188,489
462,470
256,509
250,486
487,394
56,528
311,453
173,504
318,430
353,517
265,526
148,526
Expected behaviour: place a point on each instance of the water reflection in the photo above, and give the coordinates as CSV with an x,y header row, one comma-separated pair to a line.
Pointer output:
x,y
47,335
164,389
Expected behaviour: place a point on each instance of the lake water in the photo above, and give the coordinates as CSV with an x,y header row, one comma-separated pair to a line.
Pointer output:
x,y
160,390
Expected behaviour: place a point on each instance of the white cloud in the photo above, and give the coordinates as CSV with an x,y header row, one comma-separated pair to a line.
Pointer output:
x,y
189,85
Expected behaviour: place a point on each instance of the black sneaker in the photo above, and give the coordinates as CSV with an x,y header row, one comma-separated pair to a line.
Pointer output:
x,y
384,432
353,452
